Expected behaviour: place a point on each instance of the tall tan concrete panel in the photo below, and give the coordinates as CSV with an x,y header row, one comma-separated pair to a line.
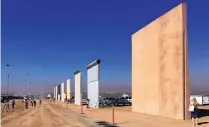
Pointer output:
x,y
186,67
159,66
54,92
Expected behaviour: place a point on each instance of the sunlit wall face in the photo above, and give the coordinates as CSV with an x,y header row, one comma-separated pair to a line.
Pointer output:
x,y
159,66
68,89
93,85
62,92
56,94
78,89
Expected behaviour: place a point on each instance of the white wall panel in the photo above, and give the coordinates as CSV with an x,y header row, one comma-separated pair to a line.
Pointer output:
x,y
59,97
55,92
93,94
93,73
78,89
68,89
62,92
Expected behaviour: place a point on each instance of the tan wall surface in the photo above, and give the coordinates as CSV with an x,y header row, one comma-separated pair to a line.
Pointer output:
x,y
54,91
159,66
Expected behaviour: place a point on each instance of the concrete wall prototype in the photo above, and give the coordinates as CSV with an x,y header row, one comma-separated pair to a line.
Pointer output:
x,y
55,93
68,89
59,92
93,76
78,93
62,94
160,66
59,97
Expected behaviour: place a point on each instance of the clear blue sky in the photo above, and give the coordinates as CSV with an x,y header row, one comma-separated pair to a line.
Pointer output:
x,y
50,39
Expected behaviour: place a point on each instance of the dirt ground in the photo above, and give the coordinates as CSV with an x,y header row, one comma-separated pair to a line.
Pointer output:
x,y
58,114
123,117
45,115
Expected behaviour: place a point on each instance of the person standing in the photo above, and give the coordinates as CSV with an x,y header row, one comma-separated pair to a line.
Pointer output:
x,y
6,105
40,101
34,102
26,103
193,108
13,105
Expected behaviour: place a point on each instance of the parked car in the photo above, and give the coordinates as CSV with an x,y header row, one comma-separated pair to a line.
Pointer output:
x,y
106,101
3,99
129,99
121,101
110,100
102,102
72,99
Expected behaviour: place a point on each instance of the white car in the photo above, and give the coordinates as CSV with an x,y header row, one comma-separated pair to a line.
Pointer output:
x,y
129,99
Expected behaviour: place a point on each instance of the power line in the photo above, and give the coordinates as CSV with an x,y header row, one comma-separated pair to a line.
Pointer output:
x,y
26,83
7,88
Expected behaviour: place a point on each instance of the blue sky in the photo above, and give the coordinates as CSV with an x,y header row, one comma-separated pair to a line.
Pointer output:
x,y
50,39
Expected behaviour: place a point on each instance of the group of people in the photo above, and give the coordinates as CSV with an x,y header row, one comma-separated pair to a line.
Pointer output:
x,y
33,103
6,105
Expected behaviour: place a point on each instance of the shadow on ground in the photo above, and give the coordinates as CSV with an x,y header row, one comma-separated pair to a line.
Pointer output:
x,y
203,112
201,123
105,124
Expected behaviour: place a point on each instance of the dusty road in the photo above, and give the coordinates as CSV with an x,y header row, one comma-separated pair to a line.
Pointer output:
x,y
46,115
124,117
62,115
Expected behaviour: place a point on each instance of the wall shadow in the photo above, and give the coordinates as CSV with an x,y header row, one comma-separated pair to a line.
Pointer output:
x,y
201,123
105,124
203,112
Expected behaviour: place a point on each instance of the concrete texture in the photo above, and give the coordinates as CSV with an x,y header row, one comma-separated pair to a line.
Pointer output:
x,y
160,66
78,93
56,93
62,95
68,89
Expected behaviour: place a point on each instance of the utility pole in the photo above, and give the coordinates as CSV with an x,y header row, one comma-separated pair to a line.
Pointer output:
x,y
25,86
7,80
26,83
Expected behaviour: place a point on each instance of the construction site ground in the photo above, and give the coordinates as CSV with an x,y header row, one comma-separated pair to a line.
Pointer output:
x,y
59,114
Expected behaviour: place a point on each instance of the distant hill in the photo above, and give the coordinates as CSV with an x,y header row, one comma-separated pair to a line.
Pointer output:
x,y
200,93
